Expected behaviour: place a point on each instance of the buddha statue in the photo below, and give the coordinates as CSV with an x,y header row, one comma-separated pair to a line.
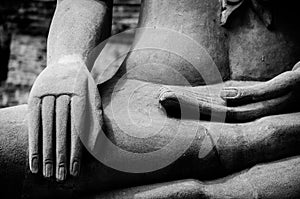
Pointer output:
x,y
207,91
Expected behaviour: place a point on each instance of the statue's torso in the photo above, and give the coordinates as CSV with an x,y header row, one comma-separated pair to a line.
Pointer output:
x,y
245,50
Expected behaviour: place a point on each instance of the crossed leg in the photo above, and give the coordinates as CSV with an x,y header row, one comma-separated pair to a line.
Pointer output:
x,y
135,122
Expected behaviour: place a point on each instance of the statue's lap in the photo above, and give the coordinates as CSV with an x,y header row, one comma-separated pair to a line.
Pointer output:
x,y
132,111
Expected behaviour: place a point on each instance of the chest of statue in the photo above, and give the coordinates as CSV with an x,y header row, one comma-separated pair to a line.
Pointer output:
x,y
245,48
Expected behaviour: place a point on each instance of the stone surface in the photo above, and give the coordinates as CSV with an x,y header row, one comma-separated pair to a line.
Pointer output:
x,y
257,53
164,148
29,22
239,146
258,182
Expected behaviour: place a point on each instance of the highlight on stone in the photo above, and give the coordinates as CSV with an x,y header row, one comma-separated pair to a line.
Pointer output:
x,y
150,99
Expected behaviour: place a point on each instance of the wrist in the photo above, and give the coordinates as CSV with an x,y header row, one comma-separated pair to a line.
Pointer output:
x,y
70,59
66,60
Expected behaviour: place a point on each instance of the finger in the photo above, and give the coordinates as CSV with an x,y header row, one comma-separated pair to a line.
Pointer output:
x,y
34,130
187,98
253,111
76,146
179,104
62,113
258,109
248,112
278,86
240,113
48,104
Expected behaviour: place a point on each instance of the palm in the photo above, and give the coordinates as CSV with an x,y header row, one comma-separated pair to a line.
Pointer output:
x,y
59,93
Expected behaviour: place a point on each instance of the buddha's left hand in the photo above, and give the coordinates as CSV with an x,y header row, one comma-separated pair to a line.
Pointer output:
x,y
274,88
240,103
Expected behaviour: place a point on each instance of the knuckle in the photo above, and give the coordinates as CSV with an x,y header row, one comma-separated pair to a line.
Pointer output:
x,y
61,163
34,155
75,159
48,161
33,101
63,100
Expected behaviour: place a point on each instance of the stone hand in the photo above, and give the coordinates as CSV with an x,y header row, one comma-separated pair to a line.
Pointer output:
x,y
274,88
207,99
58,96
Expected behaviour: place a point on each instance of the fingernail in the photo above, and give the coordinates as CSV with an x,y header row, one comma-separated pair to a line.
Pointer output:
x,y
162,98
48,170
229,93
167,95
62,174
75,168
34,165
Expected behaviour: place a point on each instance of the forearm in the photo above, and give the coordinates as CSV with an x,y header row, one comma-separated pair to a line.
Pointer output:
x,y
78,26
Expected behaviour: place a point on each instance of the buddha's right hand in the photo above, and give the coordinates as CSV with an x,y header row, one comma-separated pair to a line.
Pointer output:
x,y
60,93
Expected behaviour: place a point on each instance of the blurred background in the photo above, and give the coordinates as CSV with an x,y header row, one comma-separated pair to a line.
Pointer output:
x,y
24,26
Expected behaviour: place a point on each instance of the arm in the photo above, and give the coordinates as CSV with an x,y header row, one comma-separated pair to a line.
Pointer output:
x,y
78,26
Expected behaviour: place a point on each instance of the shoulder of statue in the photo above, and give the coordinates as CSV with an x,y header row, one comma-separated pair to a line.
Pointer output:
x,y
260,7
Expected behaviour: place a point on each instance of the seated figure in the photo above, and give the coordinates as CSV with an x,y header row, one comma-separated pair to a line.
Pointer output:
x,y
170,115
